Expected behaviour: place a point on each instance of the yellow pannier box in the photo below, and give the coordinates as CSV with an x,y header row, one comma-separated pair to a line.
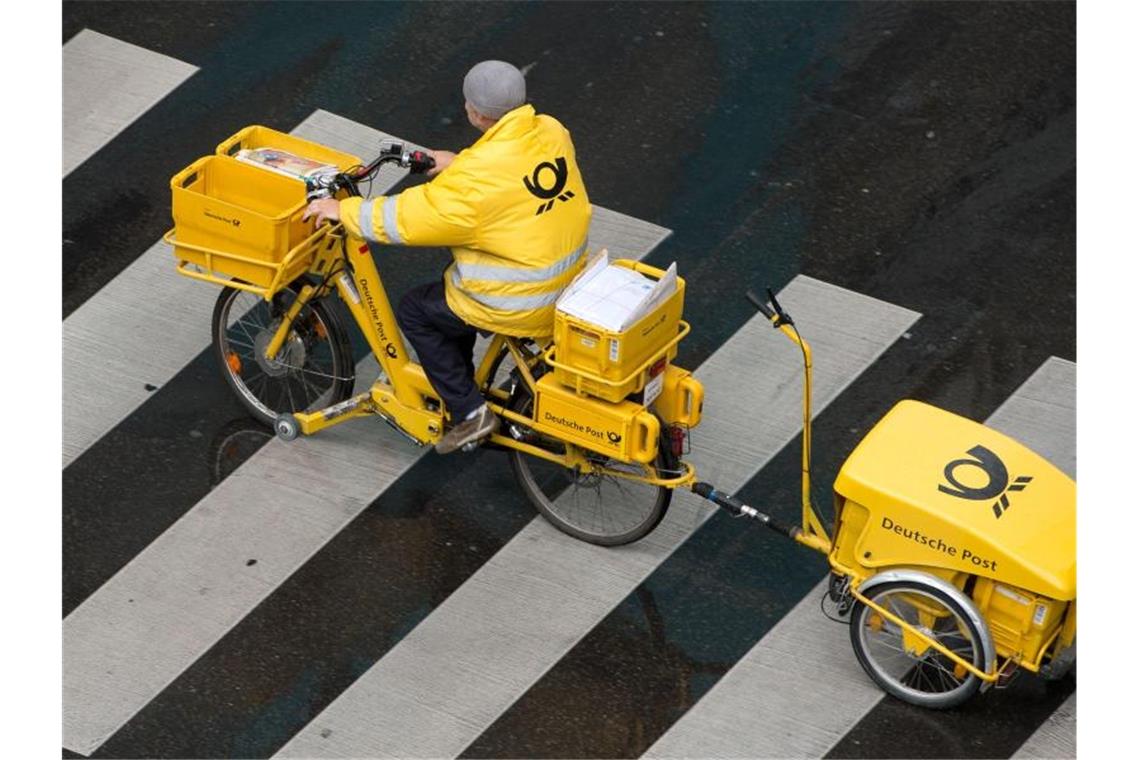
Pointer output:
x,y
240,224
624,430
611,365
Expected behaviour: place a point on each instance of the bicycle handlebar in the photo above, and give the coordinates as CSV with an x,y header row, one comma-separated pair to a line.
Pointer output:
x,y
327,185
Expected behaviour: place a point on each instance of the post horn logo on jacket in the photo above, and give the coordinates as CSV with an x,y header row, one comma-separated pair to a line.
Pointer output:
x,y
512,261
533,184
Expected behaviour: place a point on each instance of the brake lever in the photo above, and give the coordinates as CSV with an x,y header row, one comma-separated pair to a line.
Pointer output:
x,y
418,161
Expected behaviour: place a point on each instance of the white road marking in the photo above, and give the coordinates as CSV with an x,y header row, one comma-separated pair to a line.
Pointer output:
x,y
107,84
1056,738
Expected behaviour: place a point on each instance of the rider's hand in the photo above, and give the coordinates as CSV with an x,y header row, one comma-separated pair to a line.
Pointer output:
x,y
324,209
443,159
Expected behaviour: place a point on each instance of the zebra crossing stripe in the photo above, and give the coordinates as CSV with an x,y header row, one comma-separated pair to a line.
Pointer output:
x,y
126,642
107,84
456,672
144,326
802,677
1042,414
1057,736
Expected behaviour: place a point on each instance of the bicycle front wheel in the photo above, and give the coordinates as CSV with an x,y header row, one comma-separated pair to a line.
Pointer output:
x,y
313,369
600,508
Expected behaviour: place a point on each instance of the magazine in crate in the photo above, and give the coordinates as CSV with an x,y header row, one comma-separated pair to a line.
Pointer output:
x,y
284,162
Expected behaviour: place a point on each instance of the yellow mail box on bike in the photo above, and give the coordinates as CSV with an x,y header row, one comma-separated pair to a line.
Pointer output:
x,y
611,365
624,430
237,221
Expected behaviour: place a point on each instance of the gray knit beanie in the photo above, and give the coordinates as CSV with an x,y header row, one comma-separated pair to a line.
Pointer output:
x,y
494,87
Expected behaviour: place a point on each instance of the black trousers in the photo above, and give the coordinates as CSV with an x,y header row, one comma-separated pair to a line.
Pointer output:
x,y
445,344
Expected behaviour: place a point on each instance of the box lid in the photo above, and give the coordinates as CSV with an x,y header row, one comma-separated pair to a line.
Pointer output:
x,y
945,476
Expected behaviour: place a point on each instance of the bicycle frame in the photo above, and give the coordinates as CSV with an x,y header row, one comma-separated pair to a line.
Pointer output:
x,y
403,396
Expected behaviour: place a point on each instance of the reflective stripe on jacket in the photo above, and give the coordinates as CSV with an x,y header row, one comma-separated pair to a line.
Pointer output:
x,y
515,214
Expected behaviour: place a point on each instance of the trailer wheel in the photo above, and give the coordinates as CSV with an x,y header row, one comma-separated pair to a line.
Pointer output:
x,y
924,678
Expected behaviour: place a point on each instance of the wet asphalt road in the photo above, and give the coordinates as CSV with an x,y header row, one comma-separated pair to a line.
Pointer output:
x,y
923,154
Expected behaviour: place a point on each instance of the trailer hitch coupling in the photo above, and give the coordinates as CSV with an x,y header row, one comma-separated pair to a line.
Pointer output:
x,y
737,508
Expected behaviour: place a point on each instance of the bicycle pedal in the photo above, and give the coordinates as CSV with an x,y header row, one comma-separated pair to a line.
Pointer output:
x,y
472,445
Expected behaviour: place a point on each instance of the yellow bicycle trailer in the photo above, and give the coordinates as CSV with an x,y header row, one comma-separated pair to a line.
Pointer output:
x,y
953,552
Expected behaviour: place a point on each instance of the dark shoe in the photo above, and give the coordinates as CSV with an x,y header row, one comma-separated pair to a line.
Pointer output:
x,y
481,425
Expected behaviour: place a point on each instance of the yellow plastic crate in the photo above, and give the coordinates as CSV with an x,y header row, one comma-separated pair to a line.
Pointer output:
x,y
257,136
239,224
235,220
611,365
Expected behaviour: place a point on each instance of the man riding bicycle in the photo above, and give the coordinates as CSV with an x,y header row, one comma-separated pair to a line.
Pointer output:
x,y
514,211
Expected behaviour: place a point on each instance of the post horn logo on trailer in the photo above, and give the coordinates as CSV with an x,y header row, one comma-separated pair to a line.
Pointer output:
x,y
535,187
998,484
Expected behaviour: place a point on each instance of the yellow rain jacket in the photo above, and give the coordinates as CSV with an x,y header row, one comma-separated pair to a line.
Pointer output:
x,y
515,214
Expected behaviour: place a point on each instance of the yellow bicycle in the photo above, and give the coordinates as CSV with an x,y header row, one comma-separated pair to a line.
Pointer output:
x,y
594,423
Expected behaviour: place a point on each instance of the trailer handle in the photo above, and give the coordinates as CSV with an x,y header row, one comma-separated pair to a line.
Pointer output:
x,y
764,308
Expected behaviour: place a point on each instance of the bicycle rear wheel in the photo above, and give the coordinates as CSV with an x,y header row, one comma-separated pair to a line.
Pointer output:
x,y
603,509
313,369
